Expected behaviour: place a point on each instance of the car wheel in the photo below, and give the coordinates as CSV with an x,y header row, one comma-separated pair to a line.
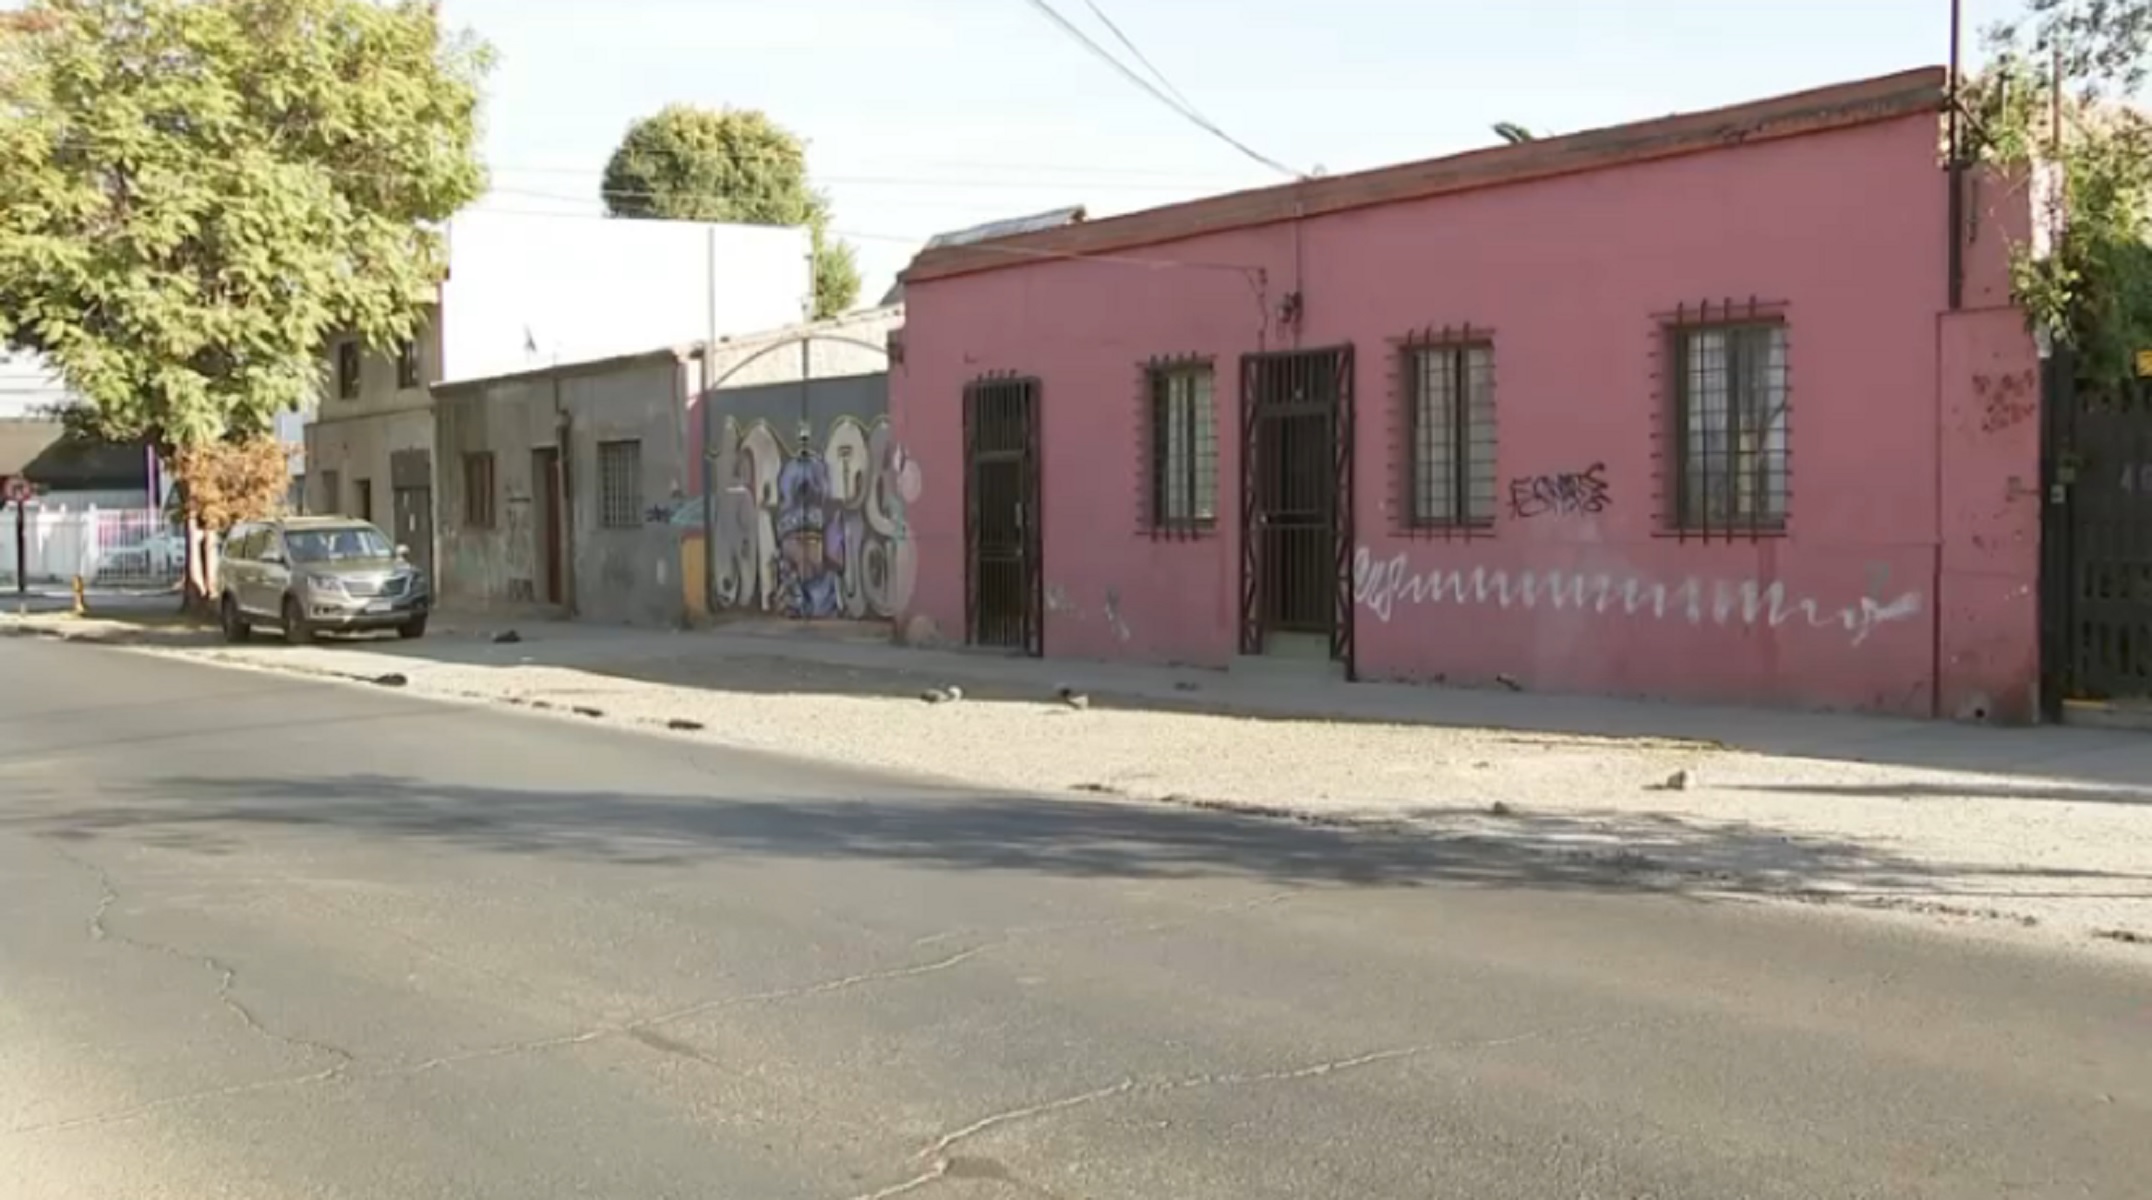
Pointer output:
x,y
236,629
411,631
296,631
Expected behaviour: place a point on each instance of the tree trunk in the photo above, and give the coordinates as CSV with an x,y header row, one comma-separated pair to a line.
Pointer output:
x,y
199,593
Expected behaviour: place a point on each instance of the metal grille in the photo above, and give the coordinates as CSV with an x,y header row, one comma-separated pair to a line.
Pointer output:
x,y
1003,592
2105,467
1730,417
365,589
1296,507
478,490
620,484
137,548
1183,449
1450,419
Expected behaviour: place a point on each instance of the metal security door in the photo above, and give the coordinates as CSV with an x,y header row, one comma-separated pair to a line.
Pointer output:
x,y
1296,498
2102,476
1004,595
411,504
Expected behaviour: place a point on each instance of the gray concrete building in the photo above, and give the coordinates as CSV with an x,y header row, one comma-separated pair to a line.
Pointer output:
x,y
599,489
558,489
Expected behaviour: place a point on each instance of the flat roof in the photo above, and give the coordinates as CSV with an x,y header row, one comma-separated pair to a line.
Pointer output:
x,y
1818,110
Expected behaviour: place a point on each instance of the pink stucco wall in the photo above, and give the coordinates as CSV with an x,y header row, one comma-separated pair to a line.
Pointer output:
x,y
1904,584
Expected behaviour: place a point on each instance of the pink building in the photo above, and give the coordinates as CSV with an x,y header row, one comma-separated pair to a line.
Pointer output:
x,y
1681,409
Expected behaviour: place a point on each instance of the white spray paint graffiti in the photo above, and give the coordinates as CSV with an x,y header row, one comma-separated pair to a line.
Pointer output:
x,y
1059,601
1382,586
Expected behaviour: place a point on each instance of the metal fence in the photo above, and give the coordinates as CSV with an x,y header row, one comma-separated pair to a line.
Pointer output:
x,y
127,547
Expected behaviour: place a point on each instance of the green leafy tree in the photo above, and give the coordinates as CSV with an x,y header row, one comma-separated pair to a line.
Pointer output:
x,y
194,194
2104,45
2093,291
732,165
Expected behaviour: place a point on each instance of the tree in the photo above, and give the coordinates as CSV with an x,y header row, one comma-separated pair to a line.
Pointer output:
x,y
734,165
195,194
2093,292
2104,45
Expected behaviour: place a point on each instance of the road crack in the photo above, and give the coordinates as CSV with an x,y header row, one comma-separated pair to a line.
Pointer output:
x,y
227,975
937,1153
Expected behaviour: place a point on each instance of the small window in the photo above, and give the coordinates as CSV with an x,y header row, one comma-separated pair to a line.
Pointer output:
x,y
347,370
478,490
407,376
329,495
1730,428
362,499
1184,448
1450,414
620,484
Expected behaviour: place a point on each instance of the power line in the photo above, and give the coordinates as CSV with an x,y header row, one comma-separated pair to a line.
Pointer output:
x,y
928,182
1141,57
914,239
1000,169
1193,117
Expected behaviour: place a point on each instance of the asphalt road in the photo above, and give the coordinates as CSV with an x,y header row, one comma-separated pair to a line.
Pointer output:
x,y
267,939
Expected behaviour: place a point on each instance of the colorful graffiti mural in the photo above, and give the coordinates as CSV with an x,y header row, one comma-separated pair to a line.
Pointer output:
x,y
817,530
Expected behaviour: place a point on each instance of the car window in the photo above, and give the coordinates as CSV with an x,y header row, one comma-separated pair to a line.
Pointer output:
x,y
358,542
241,544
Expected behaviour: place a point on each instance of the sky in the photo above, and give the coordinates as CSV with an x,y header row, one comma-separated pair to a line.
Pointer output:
x,y
930,115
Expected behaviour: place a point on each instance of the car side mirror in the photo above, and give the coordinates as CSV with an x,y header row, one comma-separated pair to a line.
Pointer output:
x,y
403,552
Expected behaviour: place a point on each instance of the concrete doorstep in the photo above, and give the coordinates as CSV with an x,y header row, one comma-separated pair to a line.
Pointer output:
x,y
2042,834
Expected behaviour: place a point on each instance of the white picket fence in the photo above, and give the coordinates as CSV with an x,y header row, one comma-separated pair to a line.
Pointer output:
x,y
107,547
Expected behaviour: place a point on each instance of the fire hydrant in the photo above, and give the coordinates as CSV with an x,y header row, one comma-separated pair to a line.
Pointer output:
x,y
82,606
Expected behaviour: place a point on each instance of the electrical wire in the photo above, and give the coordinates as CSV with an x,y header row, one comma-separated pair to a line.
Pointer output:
x,y
914,239
1193,117
1140,56
999,170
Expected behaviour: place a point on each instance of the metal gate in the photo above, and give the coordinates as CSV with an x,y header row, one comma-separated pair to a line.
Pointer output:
x,y
2098,537
1296,491
411,504
1004,597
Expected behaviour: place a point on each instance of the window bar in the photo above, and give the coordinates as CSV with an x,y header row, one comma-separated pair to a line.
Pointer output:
x,y
1459,370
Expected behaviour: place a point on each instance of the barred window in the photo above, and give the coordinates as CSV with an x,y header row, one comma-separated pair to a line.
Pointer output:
x,y
1184,448
1730,428
407,365
478,490
1450,411
620,484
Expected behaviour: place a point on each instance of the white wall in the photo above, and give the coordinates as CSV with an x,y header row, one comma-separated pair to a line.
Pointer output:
x,y
585,288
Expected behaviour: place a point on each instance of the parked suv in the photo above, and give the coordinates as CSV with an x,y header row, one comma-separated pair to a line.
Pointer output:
x,y
307,575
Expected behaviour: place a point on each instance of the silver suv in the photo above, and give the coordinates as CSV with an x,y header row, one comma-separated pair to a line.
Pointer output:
x,y
307,575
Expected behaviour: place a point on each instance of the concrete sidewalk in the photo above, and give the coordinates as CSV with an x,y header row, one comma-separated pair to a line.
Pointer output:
x,y
2091,755
2042,832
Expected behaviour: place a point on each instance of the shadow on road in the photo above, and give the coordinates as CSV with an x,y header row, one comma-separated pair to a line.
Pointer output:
x,y
1065,837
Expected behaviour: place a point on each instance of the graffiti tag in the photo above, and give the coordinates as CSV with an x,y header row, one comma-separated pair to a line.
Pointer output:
x,y
1578,493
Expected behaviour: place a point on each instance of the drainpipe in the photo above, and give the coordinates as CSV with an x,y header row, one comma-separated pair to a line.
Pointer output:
x,y
563,433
